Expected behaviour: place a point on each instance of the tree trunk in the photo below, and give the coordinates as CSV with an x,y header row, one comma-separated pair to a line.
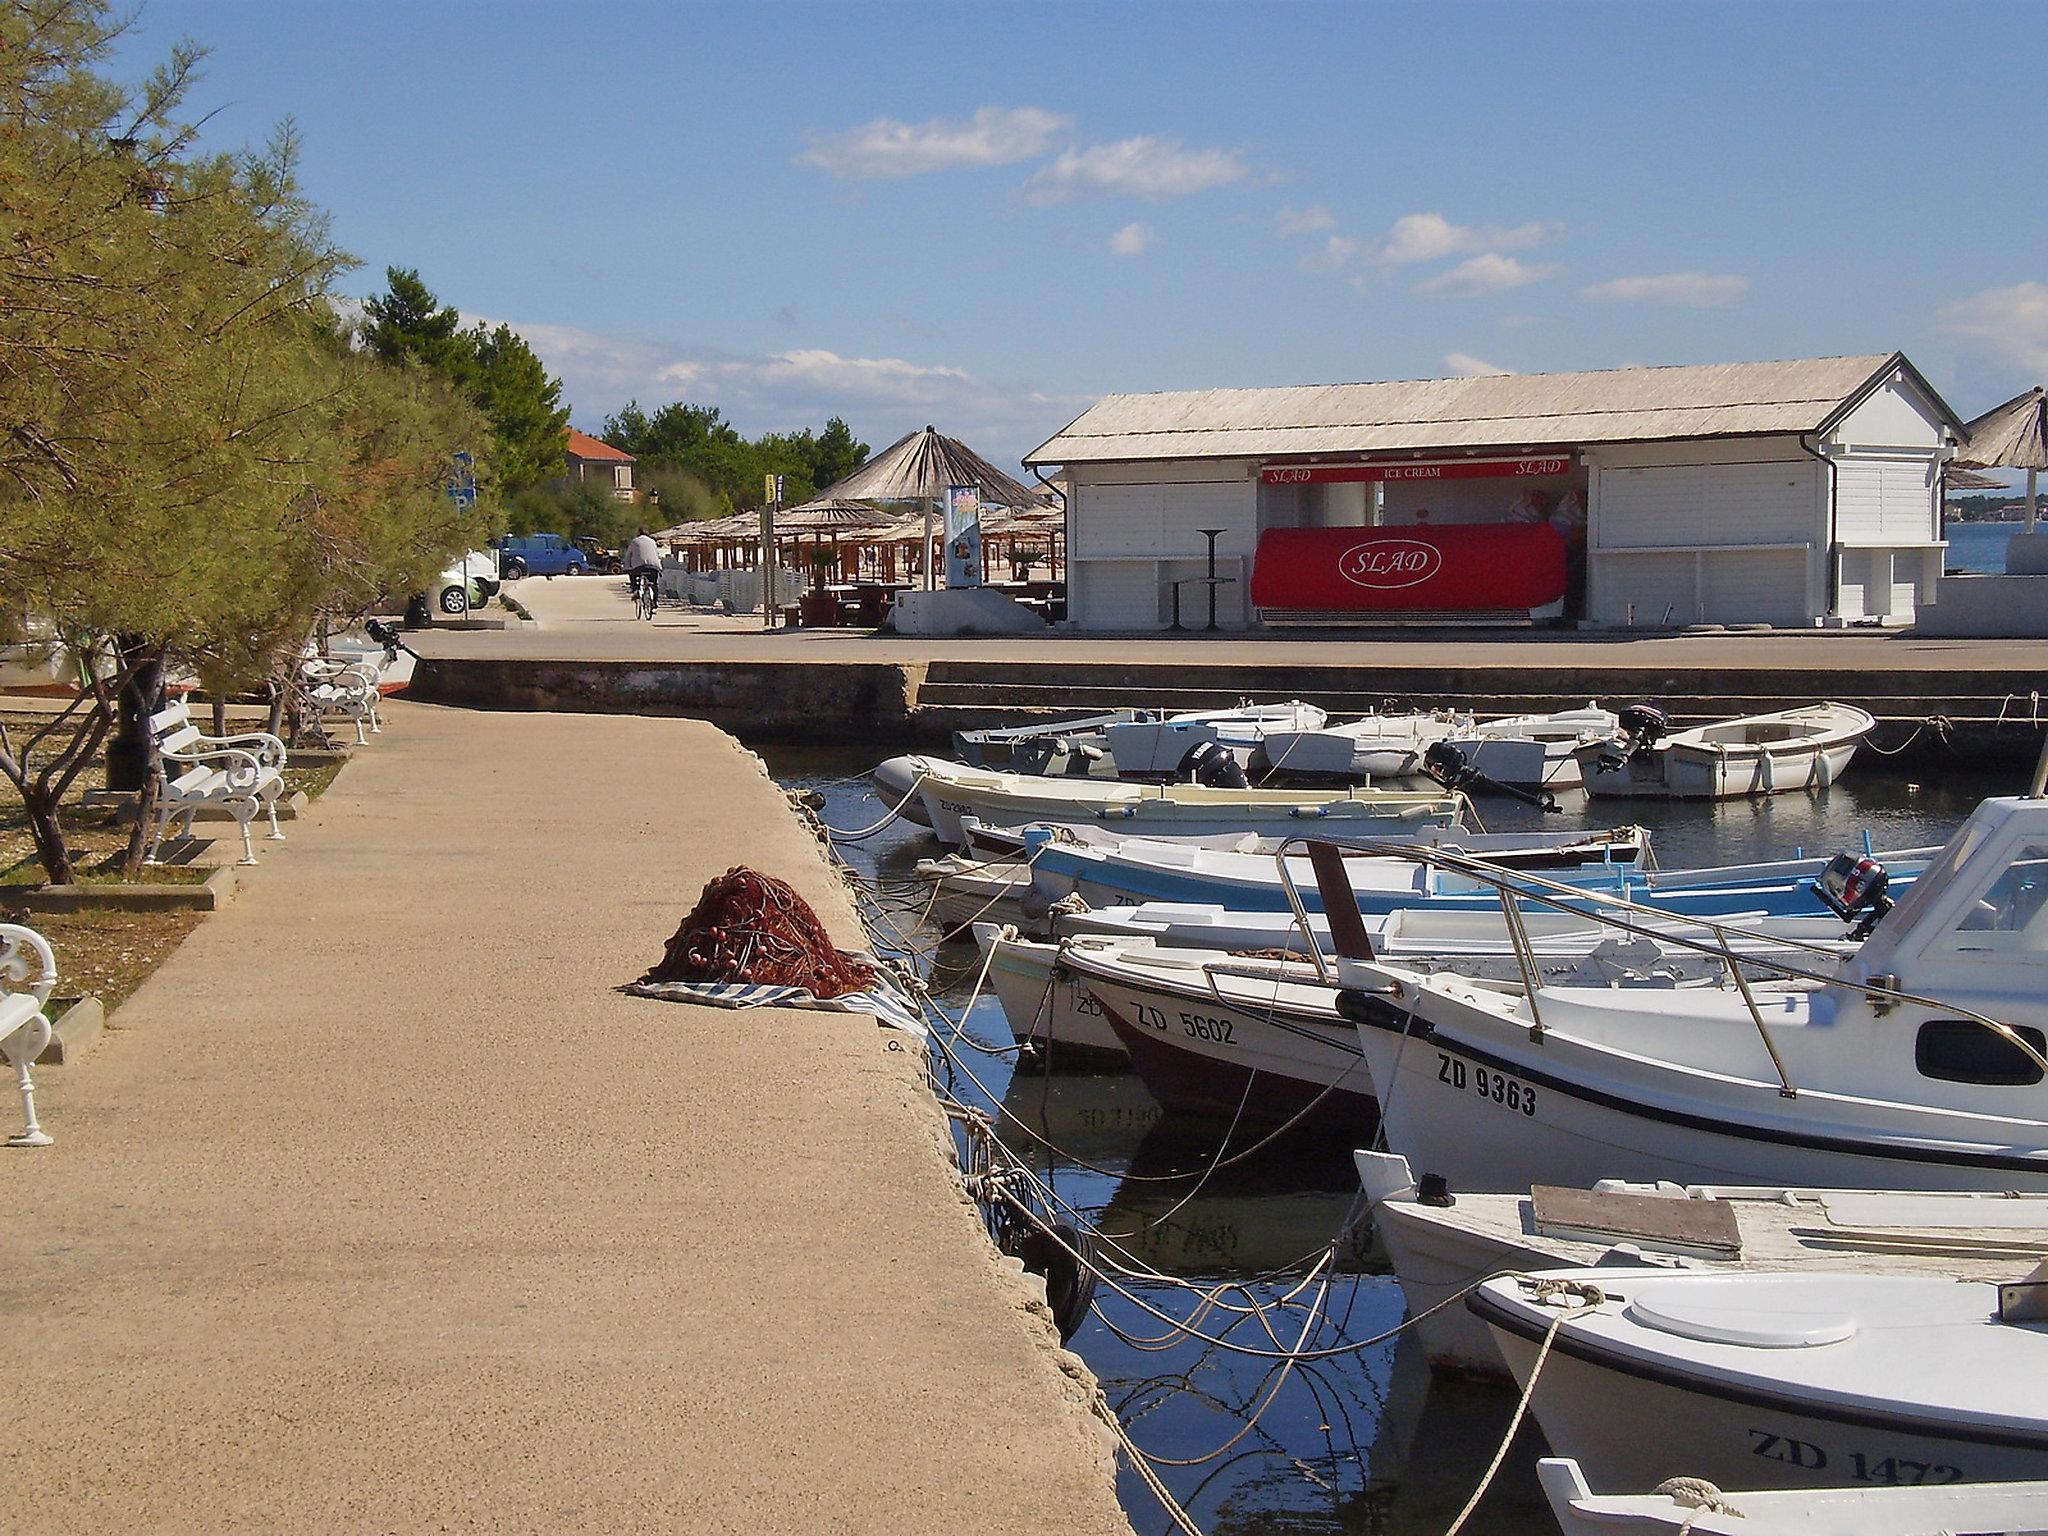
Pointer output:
x,y
51,849
275,722
131,754
220,714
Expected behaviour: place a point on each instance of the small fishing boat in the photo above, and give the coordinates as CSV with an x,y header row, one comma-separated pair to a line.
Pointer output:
x,y
1083,745
1790,749
951,791
1521,751
1161,747
1914,1064
1899,1508
1151,870
1441,1242
1357,751
995,878
1057,1016
1799,1380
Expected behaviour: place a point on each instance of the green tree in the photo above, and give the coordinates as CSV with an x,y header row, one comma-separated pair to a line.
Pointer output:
x,y
836,454
410,323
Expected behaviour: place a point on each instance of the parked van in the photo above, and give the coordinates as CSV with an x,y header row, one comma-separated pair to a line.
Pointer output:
x,y
539,554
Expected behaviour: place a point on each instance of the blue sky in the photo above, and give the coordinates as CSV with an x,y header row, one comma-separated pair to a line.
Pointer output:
x,y
986,216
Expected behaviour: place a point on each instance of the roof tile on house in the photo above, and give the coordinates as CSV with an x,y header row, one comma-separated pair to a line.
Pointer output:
x,y
583,446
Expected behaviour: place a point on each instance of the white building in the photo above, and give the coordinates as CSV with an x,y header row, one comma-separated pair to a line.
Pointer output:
x,y
1783,493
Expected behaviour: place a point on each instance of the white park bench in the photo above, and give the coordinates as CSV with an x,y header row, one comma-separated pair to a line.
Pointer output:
x,y
342,689
242,774
28,974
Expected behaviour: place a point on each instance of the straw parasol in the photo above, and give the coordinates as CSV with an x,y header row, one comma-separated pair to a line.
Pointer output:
x,y
922,466
2011,436
833,515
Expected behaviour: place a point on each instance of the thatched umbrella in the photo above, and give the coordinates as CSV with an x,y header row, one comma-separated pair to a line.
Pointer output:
x,y
2011,436
922,466
834,515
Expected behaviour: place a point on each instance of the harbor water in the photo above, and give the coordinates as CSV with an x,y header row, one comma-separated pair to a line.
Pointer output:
x,y
1360,1439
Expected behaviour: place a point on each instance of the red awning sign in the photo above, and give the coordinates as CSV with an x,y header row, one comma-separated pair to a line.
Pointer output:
x,y
1458,567
1445,469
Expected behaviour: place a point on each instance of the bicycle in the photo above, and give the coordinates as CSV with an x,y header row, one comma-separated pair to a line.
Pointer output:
x,y
646,596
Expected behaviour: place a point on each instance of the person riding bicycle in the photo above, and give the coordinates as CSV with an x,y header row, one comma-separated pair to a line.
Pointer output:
x,y
642,562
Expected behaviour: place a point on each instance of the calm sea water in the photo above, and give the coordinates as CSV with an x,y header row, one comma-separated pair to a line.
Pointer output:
x,y
1366,1442
1979,546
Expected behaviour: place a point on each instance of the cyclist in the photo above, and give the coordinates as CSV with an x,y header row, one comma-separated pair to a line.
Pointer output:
x,y
642,561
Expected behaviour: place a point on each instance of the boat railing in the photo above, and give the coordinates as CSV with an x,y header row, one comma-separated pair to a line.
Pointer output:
x,y
1516,886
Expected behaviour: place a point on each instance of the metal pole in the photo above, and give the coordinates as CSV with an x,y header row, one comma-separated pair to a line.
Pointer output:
x,y
927,560
767,564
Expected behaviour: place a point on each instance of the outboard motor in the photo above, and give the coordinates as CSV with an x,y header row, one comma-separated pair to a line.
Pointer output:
x,y
386,635
1446,764
1210,764
1853,887
1642,727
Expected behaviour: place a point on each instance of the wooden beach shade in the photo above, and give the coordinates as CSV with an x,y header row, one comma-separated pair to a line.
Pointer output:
x,y
2011,436
922,466
833,515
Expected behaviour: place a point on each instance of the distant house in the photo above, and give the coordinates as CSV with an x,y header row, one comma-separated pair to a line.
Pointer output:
x,y
592,462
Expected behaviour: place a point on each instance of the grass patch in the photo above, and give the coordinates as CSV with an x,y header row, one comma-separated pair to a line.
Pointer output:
x,y
108,954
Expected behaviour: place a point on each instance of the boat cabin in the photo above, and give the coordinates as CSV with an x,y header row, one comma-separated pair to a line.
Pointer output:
x,y
1974,927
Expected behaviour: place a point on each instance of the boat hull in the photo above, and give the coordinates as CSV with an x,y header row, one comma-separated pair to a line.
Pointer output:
x,y
1049,1012
1682,1429
1210,1059
1488,1118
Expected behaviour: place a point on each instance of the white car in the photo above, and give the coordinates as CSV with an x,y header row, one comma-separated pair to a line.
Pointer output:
x,y
470,581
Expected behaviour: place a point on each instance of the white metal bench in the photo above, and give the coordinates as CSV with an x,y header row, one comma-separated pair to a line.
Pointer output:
x,y
344,689
243,774
28,974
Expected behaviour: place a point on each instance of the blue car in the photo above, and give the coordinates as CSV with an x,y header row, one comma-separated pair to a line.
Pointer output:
x,y
539,554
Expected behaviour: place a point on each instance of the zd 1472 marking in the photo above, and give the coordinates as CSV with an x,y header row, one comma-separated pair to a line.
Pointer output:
x,y
1892,1471
1508,1092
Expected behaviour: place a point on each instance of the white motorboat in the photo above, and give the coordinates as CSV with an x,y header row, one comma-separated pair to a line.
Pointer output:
x,y
1535,751
1048,1010
1443,1241
951,791
1915,1064
1262,1038
1160,747
1840,1509
1522,751
1776,1379
1356,751
1789,749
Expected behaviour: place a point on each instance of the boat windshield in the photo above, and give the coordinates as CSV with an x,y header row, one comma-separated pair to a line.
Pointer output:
x,y
2011,915
1933,886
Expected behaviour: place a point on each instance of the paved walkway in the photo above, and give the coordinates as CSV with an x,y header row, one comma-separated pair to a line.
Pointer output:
x,y
380,1211
590,619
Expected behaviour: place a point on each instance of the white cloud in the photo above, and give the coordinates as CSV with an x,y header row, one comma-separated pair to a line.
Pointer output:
x,y
1682,290
1312,220
1482,275
2010,324
882,397
885,149
1154,169
1464,365
1432,237
1335,253
1131,239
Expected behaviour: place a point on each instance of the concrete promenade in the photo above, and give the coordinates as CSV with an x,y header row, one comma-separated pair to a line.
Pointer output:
x,y
379,1211
591,619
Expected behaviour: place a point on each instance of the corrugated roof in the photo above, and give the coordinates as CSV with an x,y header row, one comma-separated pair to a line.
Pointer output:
x,y
583,446
1513,410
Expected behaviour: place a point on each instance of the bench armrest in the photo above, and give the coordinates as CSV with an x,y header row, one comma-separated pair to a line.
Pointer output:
x,y
25,957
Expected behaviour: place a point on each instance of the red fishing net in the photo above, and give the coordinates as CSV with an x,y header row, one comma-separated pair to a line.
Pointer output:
x,y
750,927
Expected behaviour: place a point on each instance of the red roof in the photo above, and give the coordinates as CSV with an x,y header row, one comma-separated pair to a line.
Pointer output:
x,y
583,446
